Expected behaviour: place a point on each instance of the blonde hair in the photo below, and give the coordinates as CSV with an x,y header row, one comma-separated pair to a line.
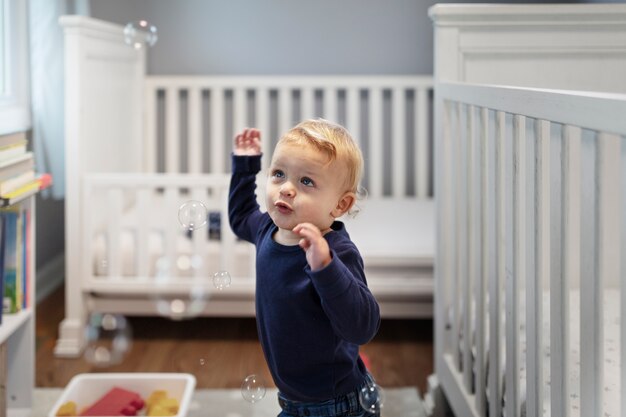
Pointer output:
x,y
333,140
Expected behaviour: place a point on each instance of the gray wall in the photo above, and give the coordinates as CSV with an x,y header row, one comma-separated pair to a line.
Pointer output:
x,y
283,36
267,37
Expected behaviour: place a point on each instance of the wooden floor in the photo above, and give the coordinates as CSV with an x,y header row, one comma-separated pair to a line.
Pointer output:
x,y
221,352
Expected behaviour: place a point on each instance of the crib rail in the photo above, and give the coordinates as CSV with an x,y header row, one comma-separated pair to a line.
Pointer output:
x,y
145,204
531,199
390,116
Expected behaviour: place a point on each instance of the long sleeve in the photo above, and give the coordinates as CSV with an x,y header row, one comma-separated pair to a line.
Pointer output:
x,y
244,212
347,301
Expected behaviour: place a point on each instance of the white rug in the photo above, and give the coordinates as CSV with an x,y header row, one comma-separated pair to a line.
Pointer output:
x,y
399,402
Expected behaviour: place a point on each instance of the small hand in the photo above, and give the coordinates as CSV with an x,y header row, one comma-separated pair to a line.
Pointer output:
x,y
248,142
314,244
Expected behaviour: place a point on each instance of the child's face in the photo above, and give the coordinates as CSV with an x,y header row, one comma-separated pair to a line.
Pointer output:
x,y
303,186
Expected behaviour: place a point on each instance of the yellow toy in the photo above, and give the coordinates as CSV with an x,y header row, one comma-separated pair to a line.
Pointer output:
x,y
159,404
67,409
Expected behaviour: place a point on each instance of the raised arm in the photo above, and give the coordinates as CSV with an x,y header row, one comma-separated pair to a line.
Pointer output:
x,y
248,142
243,210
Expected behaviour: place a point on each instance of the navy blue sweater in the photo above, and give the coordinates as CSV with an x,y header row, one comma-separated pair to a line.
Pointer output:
x,y
310,323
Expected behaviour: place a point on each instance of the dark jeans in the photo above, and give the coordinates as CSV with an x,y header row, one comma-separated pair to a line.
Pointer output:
x,y
343,406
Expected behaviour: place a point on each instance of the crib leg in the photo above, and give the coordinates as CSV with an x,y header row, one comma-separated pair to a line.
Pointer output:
x,y
70,343
435,402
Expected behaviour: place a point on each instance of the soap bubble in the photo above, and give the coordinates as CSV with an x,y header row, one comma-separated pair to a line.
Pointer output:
x,y
108,338
181,288
221,280
252,389
372,398
140,33
192,214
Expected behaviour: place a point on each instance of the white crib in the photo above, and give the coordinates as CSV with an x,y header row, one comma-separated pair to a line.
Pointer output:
x,y
531,201
139,146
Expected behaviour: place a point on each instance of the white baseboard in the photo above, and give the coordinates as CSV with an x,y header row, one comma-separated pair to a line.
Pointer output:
x,y
50,276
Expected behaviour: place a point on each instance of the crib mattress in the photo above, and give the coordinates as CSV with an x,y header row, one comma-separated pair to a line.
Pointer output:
x,y
611,381
612,363
395,238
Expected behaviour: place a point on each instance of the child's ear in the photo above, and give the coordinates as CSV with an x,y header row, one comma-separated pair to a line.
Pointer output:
x,y
344,204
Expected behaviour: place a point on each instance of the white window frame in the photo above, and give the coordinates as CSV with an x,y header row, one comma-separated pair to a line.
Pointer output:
x,y
15,100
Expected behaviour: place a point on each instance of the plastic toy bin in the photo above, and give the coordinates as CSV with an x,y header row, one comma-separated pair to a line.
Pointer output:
x,y
86,389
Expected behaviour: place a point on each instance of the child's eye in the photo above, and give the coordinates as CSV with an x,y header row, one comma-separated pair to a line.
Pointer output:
x,y
307,181
278,173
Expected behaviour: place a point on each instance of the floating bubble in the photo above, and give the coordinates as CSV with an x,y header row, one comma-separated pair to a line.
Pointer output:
x,y
372,398
253,389
108,338
192,214
140,33
221,280
181,289
102,267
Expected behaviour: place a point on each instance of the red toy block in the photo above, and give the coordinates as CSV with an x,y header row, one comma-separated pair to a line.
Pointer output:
x,y
116,402
365,359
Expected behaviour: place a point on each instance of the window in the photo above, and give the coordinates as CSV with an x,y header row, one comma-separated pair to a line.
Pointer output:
x,y
14,78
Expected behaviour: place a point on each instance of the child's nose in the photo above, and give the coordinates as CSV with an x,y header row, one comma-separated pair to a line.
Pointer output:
x,y
287,189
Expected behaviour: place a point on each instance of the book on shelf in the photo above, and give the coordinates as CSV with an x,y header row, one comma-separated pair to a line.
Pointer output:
x,y
10,152
1,266
15,182
27,245
10,270
11,162
39,183
17,166
12,138
4,366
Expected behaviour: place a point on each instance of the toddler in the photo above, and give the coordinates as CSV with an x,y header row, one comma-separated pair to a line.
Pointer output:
x,y
313,306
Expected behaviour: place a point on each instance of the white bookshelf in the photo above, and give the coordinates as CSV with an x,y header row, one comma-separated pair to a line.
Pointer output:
x,y
18,332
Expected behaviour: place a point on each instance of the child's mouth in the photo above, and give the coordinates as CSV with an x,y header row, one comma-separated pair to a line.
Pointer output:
x,y
283,208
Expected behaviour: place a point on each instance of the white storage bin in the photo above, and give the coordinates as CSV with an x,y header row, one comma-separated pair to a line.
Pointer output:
x,y
86,389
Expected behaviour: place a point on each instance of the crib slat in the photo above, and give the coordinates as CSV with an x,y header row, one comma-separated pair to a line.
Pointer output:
x,y
513,279
227,237
142,254
200,236
606,265
262,104
194,148
171,228
534,304
172,131
422,158
398,137
458,304
376,137
150,133
217,130
446,288
495,387
307,102
239,109
622,284
330,104
284,110
114,232
465,250
481,245
501,214
352,115
570,258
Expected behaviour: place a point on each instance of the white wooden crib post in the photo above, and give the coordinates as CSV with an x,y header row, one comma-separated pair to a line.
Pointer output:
x,y
534,285
398,146
622,278
375,189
